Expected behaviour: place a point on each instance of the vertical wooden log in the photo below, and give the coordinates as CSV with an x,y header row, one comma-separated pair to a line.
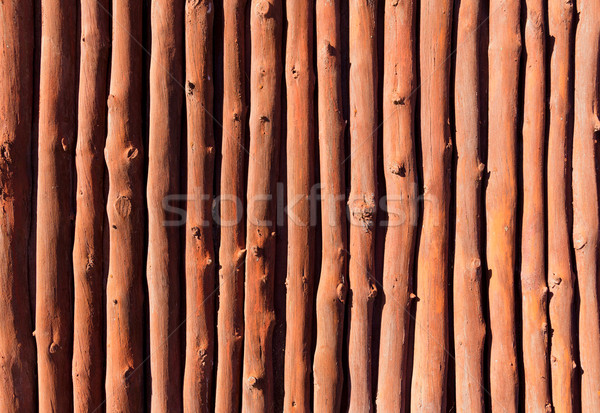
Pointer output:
x,y
54,265
265,125
560,270
125,206
17,346
399,82
469,324
362,199
331,292
199,249
162,271
88,345
300,81
585,197
534,287
501,199
428,392
232,251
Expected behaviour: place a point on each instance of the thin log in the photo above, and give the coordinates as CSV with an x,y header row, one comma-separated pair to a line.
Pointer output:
x,y
560,266
54,260
88,341
125,206
469,324
430,364
501,199
265,124
17,346
331,291
400,172
232,251
585,197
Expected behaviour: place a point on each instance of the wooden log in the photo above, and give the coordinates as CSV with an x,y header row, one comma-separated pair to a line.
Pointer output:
x,y
585,197
400,172
232,251
54,259
430,364
331,292
501,199
162,268
125,209
17,346
88,255
469,324
560,266
199,249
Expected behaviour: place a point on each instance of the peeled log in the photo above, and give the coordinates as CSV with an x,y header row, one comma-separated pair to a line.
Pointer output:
x,y
430,364
17,346
400,171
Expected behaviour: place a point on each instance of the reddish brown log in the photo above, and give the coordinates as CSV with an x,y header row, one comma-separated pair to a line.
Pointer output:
x,y
430,364
331,292
265,124
162,270
199,250
125,207
230,324
501,199
469,324
585,197
560,266
534,288
17,346
300,82
54,260
88,345
362,199
399,82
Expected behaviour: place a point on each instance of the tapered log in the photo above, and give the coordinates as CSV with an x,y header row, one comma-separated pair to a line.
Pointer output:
x,y
125,206
430,364
17,346
162,271
585,197
362,202
534,287
469,324
230,323
501,199
399,82
265,124
54,260
331,291
88,341
199,250
300,81
560,266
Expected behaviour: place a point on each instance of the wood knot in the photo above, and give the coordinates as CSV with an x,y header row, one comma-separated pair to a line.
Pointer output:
x,y
257,251
398,169
263,8
53,348
189,89
196,232
123,206
341,291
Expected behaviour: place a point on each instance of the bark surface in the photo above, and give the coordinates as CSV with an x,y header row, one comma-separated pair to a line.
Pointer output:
x,y
162,269
17,346
300,82
332,288
125,208
428,392
400,172
54,254
585,197
560,266
199,249
88,342
469,324
501,199
232,250
265,125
